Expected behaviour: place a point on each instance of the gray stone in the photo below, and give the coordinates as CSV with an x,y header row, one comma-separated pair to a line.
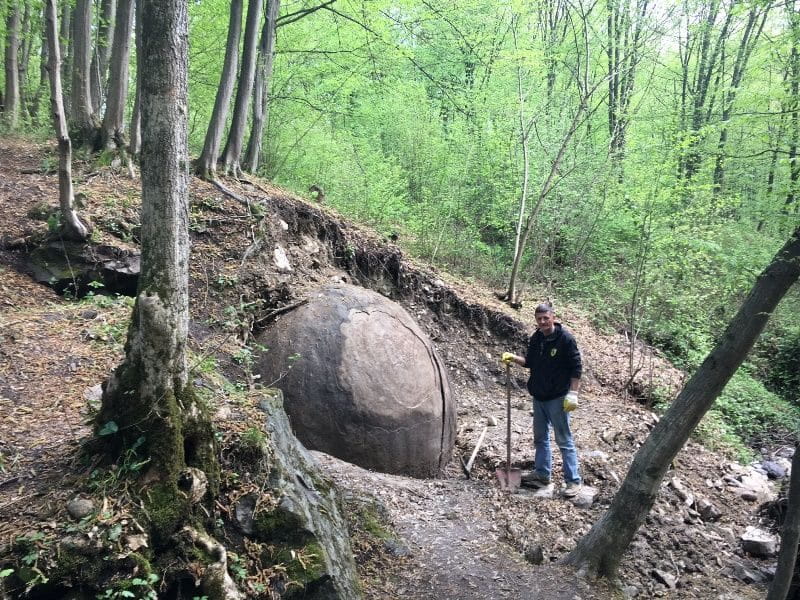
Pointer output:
x,y
663,577
305,508
759,543
80,508
368,386
708,512
774,469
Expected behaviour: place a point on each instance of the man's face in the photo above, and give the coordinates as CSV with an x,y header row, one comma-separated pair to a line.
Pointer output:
x,y
546,322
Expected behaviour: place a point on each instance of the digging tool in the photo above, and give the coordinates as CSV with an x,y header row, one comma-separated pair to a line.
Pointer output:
x,y
510,479
468,467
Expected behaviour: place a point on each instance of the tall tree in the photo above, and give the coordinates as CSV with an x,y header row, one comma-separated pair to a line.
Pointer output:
x,y
207,163
82,120
71,225
266,58
12,94
757,17
136,114
102,51
600,551
112,129
148,402
231,156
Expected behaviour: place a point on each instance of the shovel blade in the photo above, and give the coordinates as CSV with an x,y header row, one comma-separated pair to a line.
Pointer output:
x,y
509,479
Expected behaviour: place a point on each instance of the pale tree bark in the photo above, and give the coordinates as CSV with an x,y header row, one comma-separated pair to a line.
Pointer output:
x,y
790,537
82,120
25,46
207,163
102,52
148,403
231,156
71,225
65,49
135,145
266,58
11,97
113,128
600,551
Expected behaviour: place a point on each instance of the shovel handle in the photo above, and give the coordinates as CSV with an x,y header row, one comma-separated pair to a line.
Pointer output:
x,y
508,417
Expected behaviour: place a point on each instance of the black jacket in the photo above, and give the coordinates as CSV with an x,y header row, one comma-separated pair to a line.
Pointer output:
x,y
553,363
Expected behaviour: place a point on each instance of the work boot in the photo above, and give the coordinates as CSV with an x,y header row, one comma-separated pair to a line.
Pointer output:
x,y
533,479
572,489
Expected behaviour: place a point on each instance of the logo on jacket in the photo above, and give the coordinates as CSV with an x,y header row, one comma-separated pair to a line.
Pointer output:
x,y
553,351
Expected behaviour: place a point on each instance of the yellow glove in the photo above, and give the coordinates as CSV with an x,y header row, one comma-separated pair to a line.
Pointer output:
x,y
507,358
570,401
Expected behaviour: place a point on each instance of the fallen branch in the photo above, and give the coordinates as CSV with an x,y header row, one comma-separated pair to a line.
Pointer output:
x,y
280,311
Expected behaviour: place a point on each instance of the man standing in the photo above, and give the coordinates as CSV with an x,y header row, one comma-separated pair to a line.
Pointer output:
x,y
555,363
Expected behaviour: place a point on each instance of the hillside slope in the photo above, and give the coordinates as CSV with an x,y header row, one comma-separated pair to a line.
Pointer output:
x,y
456,538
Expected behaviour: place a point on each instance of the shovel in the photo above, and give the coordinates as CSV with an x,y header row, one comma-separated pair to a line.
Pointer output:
x,y
510,479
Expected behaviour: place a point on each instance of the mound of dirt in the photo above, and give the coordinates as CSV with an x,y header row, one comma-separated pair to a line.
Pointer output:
x,y
449,537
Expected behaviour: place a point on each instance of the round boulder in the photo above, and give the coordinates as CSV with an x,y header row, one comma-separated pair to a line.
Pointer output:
x,y
362,382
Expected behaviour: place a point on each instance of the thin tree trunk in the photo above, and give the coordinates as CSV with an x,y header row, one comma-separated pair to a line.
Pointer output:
x,y
244,93
71,224
266,58
600,551
207,163
135,145
114,120
26,43
12,95
102,51
790,538
65,49
83,123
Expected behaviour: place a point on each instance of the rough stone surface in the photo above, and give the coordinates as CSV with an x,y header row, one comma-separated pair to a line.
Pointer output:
x,y
759,542
308,501
368,387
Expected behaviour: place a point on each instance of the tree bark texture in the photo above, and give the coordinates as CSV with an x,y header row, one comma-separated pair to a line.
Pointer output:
x,y
65,49
135,145
266,58
207,164
114,119
102,52
12,93
600,551
233,148
790,538
82,124
71,225
147,397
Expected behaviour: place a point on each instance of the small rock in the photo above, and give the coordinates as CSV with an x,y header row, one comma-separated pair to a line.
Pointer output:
x,y
668,580
281,260
759,543
773,469
79,508
708,512
491,421
630,591
136,542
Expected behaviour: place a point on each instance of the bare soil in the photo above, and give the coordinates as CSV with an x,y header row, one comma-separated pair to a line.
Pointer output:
x,y
451,537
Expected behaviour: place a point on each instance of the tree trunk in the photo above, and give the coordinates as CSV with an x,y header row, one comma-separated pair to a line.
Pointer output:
x,y
207,163
65,48
111,132
266,52
135,145
790,538
147,403
83,125
12,94
233,148
24,56
71,225
102,52
600,551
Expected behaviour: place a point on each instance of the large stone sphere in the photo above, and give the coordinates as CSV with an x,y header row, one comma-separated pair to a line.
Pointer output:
x,y
362,382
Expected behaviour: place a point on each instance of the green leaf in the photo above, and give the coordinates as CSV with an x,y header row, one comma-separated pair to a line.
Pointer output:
x,y
6,573
108,428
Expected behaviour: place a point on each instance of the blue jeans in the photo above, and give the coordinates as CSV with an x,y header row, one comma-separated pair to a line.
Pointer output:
x,y
551,412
